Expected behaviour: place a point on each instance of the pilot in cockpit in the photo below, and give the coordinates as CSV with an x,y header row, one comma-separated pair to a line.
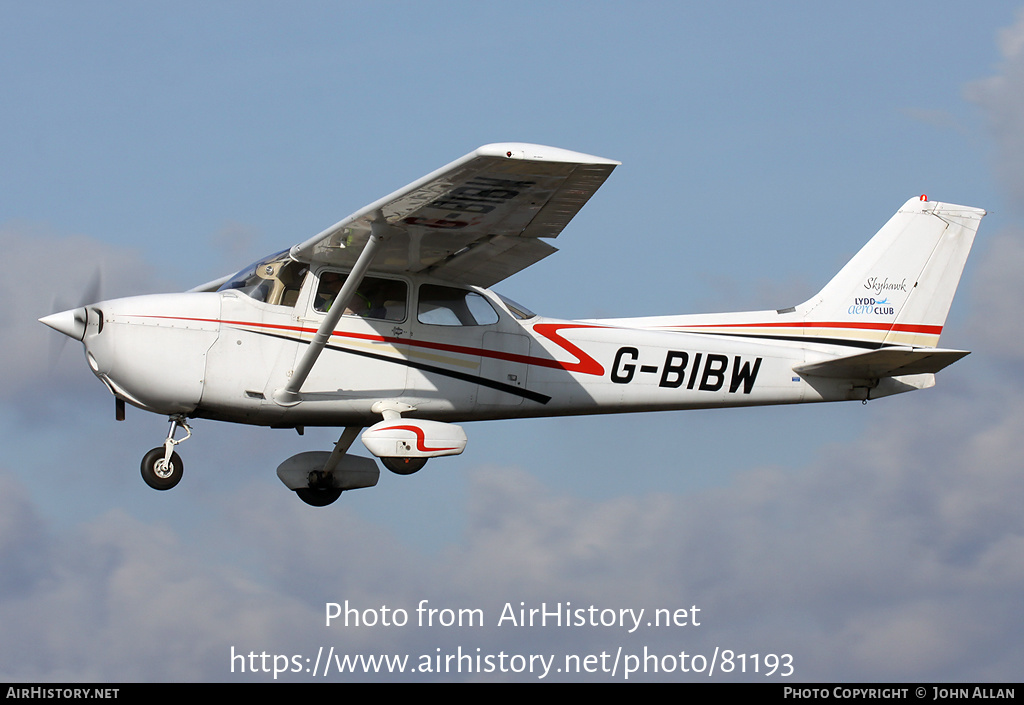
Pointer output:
x,y
330,285
382,299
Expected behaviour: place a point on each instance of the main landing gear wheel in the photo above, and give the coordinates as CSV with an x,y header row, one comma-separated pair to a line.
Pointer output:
x,y
404,466
318,498
158,474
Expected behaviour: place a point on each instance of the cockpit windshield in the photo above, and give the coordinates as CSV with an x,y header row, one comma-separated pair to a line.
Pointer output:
x,y
274,280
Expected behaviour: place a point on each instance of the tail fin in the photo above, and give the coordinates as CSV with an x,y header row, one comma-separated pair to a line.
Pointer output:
x,y
898,289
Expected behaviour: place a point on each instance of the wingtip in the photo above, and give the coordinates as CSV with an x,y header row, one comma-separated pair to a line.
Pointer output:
x,y
540,152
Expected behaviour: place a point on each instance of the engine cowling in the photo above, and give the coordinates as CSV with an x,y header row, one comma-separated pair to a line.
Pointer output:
x,y
414,438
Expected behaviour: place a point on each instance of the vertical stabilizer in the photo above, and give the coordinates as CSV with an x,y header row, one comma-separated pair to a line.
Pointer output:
x,y
898,289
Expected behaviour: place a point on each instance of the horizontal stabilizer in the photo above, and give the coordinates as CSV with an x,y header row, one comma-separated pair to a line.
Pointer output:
x,y
887,362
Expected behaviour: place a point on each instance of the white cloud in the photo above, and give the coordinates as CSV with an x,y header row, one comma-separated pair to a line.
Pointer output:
x,y
1001,97
998,292
120,599
51,272
895,558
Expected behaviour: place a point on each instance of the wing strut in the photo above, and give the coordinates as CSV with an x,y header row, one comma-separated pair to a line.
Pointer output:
x,y
289,394
348,437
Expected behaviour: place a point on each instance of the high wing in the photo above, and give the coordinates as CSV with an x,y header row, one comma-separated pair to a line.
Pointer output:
x,y
476,221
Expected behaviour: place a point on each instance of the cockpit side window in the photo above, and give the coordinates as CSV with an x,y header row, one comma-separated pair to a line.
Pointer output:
x,y
381,299
275,280
448,306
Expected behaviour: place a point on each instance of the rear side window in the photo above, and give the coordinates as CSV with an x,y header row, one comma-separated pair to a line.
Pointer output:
x,y
448,306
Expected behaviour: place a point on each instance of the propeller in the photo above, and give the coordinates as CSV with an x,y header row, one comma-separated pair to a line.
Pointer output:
x,y
72,322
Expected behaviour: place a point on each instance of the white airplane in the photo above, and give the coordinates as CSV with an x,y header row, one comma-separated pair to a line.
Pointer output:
x,y
386,322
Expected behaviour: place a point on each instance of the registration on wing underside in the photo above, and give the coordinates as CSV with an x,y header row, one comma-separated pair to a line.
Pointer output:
x,y
476,224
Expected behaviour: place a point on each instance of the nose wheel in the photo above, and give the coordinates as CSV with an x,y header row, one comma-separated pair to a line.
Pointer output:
x,y
158,472
162,467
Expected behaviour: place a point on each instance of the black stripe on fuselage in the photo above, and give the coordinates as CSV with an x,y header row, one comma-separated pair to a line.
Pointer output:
x,y
463,376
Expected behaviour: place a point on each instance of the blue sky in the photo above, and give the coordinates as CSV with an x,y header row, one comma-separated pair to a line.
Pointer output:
x,y
169,143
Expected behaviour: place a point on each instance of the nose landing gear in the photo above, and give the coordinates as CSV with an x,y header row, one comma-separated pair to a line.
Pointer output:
x,y
162,467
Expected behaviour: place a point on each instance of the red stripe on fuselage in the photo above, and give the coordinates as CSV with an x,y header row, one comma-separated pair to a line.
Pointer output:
x,y
584,364
900,327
